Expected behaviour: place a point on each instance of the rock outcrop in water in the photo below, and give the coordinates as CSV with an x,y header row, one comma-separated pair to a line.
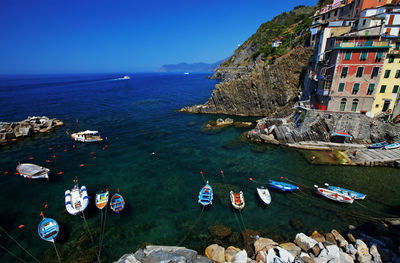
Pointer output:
x,y
269,90
12,131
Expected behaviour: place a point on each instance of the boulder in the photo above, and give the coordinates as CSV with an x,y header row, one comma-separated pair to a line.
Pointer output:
x,y
264,244
219,231
351,250
230,253
215,253
339,238
240,257
362,248
315,250
351,238
291,248
261,256
304,242
345,258
330,239
128,258
317,236
376,257
306,258
228,121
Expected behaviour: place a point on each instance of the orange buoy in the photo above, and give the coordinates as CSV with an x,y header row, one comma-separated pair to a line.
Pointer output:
x,y
50,148
30,158
65,150
73,146
92,152
82,165
21,226
16,173
47,161
281,177
53,156
94,157
46,205
60,173
5,172
201,172
251,179
41,213
222,171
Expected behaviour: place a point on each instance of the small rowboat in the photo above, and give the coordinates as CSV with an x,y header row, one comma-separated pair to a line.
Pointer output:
x,y
351,193
282,186
102,200
32,171
87,136
378,145
237,200
206,195
48,229
117,203
76,200
264,195
335,196
392,146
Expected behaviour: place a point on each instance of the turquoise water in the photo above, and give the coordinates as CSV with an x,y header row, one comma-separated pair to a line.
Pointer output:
x,y
138,118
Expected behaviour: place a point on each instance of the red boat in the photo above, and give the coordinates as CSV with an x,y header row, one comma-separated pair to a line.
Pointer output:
x,y
335,196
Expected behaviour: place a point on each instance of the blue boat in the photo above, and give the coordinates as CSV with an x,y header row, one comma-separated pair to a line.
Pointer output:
x,y
392,146
378,145
48,229
117,203
282,186
206,195
351,193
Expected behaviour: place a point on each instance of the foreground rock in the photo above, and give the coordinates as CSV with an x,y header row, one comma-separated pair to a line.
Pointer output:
x,y
12,131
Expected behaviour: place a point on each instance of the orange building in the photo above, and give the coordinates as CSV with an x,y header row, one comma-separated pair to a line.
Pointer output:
x,y
360,5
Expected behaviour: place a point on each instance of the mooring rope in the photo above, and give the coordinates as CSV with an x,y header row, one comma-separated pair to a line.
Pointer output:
x,y
8,251
378,212
87,226
58,256
191,229
102,233
19,245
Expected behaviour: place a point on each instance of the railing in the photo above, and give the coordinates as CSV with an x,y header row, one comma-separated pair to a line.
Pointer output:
x,y
361,44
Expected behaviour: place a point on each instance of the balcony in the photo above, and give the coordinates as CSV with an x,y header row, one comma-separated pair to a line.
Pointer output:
x,y
361,45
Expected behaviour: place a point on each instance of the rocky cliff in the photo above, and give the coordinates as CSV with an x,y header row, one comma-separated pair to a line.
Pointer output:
x,y
267,90
259,79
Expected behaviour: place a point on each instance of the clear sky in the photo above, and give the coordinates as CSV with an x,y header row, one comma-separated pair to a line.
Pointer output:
x,y
82,36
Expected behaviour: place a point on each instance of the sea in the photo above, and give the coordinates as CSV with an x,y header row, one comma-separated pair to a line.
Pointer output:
x,y
158,159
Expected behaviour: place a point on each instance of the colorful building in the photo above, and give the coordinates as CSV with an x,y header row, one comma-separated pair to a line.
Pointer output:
x,y
360,5
388,90
351,73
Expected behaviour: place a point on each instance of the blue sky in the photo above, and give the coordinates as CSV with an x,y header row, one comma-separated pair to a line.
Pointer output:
x,y
90,36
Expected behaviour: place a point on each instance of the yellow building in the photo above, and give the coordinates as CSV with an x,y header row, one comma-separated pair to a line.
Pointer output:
x,y
388,89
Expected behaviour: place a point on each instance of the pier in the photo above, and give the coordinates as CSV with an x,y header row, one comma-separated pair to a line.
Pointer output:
x,y
375,157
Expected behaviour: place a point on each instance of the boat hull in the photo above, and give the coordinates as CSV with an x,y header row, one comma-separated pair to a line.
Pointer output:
x,y
76,200
117,203
332,195
392,146
102,200
351,193
48,229
285,187
378,145
32,171
264,195
237,200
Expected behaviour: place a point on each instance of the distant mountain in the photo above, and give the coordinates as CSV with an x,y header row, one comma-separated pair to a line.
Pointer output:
x,y
185,67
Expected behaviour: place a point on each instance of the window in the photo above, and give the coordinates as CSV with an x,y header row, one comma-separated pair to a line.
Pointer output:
x,y
395,88
354,105
344,72
379,56
397,74
391,59
356,88
347,55
342,105
371,88
387,73
364,21
329,15
375,72
397,46
383,89
360,71
341,87
363,56
335,13
323,16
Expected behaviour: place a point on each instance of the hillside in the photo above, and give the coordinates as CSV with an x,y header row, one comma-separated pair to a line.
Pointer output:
x,y
259,80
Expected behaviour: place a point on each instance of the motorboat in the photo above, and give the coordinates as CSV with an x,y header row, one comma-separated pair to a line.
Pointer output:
x,y
264,195
76,200
87,136
32,171
237,200
335,196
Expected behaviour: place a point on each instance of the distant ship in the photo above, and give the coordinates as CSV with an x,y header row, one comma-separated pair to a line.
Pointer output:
x,y
126,77
186,73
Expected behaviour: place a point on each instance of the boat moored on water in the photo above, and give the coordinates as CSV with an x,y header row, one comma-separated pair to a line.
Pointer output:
x,y
378,145
206,195
87,136
264,195
117,203
48,229
126,77
351,193
392,146
282,186
32,171
76,200
335,196
237,200
102,200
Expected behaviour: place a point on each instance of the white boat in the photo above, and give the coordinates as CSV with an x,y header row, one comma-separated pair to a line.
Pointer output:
x,y
335,196
392,146
76,200
87,136
237,200
32,171
264,195
126,77
186,73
